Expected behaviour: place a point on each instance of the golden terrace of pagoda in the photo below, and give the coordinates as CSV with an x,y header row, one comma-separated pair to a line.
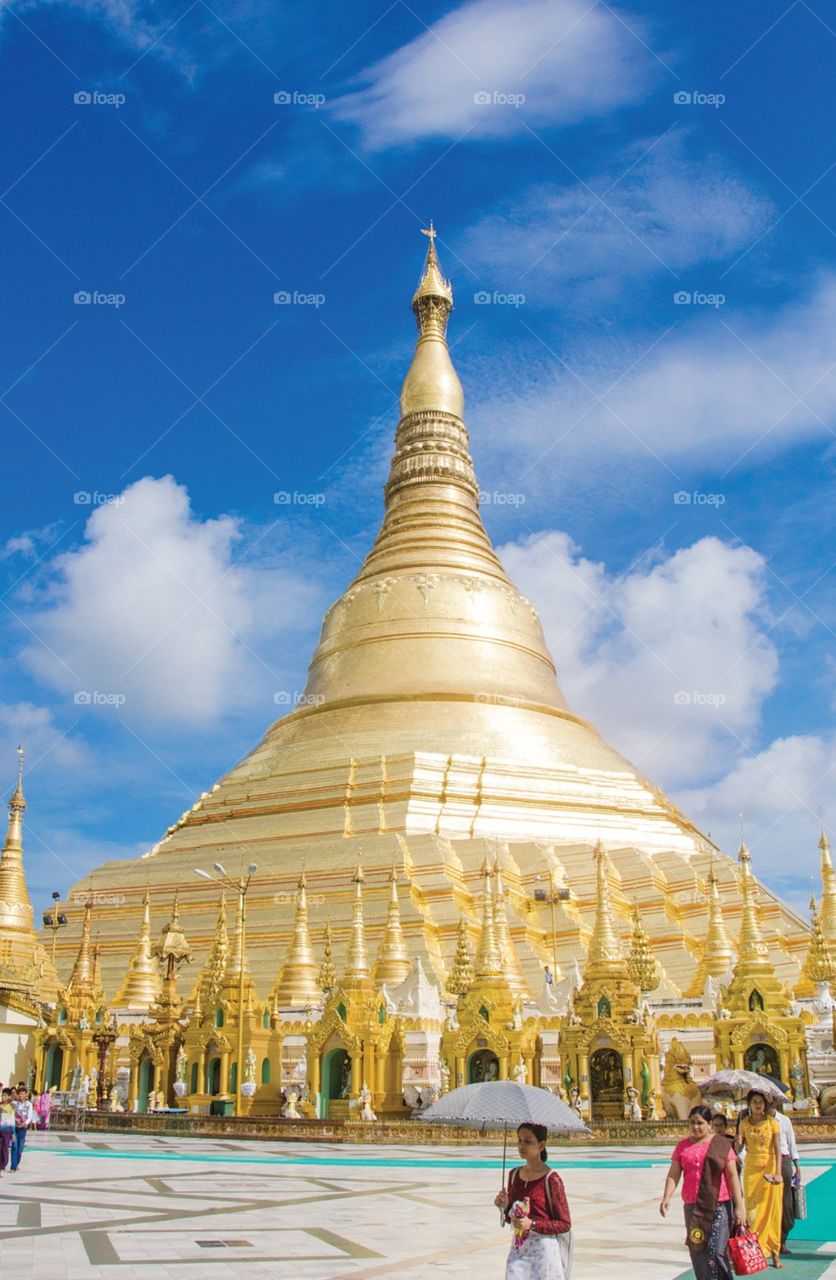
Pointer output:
x,y
452,876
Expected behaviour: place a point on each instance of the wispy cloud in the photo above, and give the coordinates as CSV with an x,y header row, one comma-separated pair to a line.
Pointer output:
x,y
493,66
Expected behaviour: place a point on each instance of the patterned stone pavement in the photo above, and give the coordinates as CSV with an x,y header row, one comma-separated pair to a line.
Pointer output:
x,y
143,1208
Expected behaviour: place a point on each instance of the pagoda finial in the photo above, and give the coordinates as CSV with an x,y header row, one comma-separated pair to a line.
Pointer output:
x,y
431,383
488,957
718,951
357,960
211,981
819,963
298,981
751,945
642,966
461,975
81,978
15,904
507,951
173,949
393,962
604,945
828,891
327,970
141,984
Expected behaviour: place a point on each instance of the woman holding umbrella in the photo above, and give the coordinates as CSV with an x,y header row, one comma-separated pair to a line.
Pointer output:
x,y
710,1186
535,1205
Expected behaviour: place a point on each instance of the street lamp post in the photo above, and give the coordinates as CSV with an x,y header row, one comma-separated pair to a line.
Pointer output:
x,y
553,895
239,886
54,920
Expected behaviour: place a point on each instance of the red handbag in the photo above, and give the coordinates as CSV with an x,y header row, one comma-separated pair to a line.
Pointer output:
x,y
745,1252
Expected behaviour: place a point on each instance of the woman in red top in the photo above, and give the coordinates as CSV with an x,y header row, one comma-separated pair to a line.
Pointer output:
x,y
535,1204
707,1164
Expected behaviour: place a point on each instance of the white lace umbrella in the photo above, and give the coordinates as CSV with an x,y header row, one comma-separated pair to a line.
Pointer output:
x,y
506,1103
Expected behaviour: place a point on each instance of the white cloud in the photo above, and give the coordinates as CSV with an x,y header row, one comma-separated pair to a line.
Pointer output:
x,y
669,211
570,60
153,608
710,391
778,791
670,661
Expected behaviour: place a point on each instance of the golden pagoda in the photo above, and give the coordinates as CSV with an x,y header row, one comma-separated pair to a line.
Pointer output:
x,y
828,892
298,982
432,725
609,1042
27,975
819,966
717,953
141,987
462,974
756,1028
642,966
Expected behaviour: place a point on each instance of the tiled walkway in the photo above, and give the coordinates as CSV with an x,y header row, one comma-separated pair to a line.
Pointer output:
x,y
134,1208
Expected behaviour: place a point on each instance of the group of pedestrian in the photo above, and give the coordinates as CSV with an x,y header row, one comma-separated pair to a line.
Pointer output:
x,y
17,1117
731,1182
718,1200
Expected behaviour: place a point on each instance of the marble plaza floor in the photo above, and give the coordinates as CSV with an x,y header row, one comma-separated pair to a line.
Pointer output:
x,y
124,1207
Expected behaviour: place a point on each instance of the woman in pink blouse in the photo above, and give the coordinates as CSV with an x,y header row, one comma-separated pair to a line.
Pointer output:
x,y
710,1187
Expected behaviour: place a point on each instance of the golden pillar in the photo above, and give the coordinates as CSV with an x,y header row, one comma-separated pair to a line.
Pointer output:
x,y
225,1072
356,1070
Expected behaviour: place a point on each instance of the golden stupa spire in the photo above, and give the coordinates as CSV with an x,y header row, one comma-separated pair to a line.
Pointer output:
x,y
393,962
488,957
141,985
605,950
15,904
327,970
510,961
461,974
642,966
431,383
751,946
718,950
818,964
81,978
298,982
173,948
828,891
357,960
211,981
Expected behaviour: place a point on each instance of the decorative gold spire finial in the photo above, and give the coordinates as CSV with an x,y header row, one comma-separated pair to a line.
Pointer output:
x,y
642,966
357,960
432,384
327,970
605,945
298,982
173,949
211,981
751,945
16,919
393,962
718,952
488,957
510,962
141,984
461,975
819,963
828,892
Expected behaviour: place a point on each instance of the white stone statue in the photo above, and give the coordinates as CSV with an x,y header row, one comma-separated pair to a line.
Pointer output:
x,y
519,1072
291,1111
364,1102
115,1102
575,1100
249,1066
181,1064
634,1111
444,1073
84,1090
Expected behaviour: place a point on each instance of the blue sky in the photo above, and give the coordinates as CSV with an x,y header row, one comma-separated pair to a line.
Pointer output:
x,y
644,196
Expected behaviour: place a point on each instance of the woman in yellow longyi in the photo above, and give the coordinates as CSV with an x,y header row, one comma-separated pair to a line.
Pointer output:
x,y
763,1188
